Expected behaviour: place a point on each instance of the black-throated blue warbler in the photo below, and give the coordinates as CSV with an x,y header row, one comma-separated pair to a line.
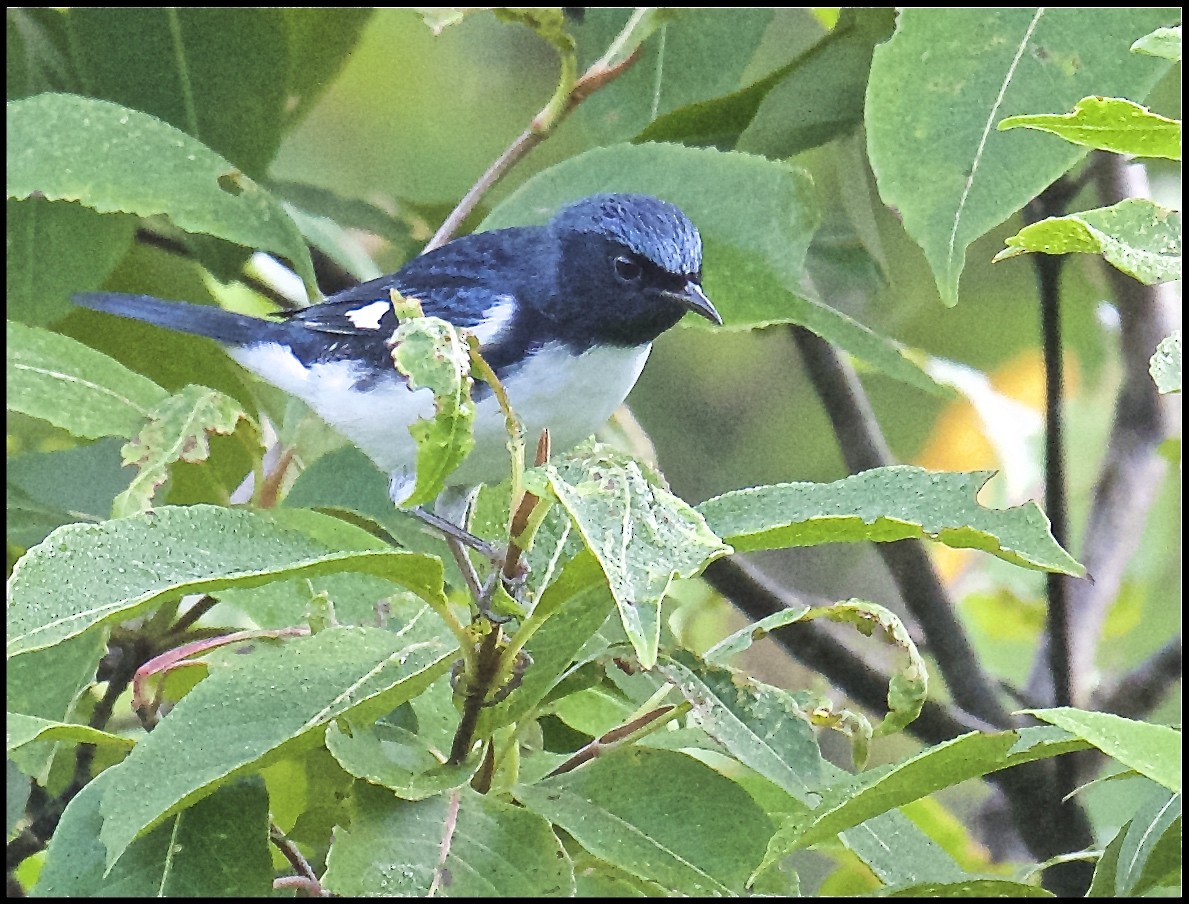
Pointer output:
x,y
565,314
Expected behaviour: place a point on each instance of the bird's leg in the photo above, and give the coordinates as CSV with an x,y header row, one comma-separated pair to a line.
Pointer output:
x,y
459,534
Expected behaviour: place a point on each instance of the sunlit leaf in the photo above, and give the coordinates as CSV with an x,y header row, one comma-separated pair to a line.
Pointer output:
x,y
1108,124
1136,236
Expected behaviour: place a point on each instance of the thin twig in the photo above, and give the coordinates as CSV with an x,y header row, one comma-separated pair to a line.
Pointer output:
x,y
306,876
595,78
1139,691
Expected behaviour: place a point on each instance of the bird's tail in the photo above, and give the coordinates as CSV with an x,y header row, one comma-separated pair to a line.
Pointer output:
x,y
202,320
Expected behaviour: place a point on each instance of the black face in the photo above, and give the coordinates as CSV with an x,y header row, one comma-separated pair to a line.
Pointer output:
x,y
614,295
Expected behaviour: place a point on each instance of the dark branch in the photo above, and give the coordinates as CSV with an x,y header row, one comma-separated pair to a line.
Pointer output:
x,y
863,447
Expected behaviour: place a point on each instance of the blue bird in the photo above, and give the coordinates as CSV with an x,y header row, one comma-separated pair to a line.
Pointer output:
x,y
565,314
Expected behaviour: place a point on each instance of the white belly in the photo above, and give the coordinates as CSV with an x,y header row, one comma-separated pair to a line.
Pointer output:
x,y
572,396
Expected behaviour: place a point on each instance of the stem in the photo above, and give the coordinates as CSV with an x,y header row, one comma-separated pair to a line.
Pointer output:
x,y
863,447
539,129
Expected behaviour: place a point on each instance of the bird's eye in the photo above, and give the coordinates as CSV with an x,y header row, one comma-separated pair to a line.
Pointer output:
x,y
627,269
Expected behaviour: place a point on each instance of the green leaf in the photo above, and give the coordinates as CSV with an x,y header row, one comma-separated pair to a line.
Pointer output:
x,y
217,848
761,726
320,42
573,608
857,799
695,55
968,888
84,246
430,353
883,505
462,845
216,73
397,759
84,575
756,217
823,97
659,815
641,534
1165,366
115,159
46,685
21,730
204,742
1145,853
1136,236
86,393
1108,124
1151,750
1163,42
178,431
947,76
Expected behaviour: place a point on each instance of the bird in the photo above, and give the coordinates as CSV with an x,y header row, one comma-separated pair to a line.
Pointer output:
x,y
565,315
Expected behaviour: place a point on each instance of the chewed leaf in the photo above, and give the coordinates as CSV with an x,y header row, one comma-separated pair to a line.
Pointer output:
x,y
179,430
1165,365
429,351
1136,236
641,534
908,686
62,147
84,575
886,504
1108,124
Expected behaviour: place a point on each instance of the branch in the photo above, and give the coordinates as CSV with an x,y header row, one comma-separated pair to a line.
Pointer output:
x,y
539,129
813,645
864,447
1132,470
1139,691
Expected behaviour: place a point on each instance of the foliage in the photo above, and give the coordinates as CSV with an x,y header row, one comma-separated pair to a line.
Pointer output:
x,y
308,669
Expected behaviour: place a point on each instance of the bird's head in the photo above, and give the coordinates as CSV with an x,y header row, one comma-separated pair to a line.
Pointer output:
x,y
631,266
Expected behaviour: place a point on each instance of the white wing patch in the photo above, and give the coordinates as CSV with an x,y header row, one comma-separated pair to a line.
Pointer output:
x,y
495,318
368,317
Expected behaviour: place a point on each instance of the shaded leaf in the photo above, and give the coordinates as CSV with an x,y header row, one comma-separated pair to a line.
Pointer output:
x,y
216,73
1136,236
459,845
115,159
857,799
690,56
320,42
281,694
86,393
947,76
1145,853
178,431
641,534
635,808
969,888
761,726
822,98
87,574
1151,750
1108,124
21,729
84,246
217,848
397,759
886,504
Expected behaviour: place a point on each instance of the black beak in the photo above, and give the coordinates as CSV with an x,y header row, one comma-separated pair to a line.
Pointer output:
x,y
692,298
